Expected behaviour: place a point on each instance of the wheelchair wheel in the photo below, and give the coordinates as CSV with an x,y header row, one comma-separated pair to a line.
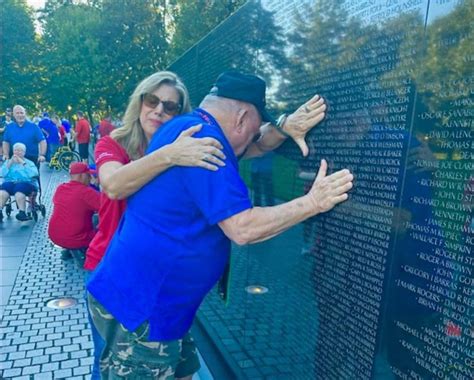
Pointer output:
x,y
8,209
67,158
42,210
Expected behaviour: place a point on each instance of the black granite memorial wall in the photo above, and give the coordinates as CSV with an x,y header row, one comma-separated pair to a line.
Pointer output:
x,y
382,287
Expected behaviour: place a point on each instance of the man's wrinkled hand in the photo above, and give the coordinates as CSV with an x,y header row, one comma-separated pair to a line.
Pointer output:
x,y
329,190
306,117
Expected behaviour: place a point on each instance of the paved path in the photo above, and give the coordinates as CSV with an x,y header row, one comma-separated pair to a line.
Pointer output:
x,y
37,342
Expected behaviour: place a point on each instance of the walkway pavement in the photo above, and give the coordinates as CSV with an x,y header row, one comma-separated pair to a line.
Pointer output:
x,y
37,342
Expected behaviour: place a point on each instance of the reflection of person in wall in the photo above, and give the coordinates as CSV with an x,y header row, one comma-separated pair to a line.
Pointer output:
x,y
409,267
262,181
185,219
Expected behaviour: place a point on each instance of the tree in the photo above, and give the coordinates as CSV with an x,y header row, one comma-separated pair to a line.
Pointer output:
x,y
133,39
97,52
71,57
19,72
191,20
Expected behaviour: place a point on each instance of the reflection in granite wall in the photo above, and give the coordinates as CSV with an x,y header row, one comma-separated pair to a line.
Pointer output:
x,y
382,287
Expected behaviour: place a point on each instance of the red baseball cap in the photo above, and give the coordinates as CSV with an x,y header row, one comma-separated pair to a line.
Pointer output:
x,y
79,168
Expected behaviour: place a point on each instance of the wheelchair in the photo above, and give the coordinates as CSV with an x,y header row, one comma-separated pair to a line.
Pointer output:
x,y
63,158
34,205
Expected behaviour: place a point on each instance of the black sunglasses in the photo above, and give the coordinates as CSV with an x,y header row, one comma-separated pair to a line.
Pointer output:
x,y
152,101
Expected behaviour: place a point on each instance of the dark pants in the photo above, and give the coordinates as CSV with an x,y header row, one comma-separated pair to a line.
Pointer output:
x,y
96,338
84,151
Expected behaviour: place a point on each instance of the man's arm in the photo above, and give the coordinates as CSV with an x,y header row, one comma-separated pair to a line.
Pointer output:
x,y
42,150
6,149
296,126
261,223
92,199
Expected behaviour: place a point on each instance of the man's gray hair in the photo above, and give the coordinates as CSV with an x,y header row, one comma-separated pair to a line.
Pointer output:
x,y
19,145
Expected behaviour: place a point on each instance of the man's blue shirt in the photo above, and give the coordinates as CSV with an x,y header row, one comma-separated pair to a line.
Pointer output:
x,y
169,251
51,129
67,126
29,134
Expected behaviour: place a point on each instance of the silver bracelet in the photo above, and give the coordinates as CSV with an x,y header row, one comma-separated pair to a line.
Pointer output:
x,y
279,125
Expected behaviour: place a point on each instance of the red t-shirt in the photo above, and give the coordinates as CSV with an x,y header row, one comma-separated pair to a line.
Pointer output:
x,y
110,212
70,225
83,131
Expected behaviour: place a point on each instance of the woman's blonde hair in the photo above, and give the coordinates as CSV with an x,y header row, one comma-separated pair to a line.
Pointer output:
x,y
131,135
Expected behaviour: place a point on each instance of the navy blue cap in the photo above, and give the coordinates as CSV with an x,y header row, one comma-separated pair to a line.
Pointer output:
x,y
244,87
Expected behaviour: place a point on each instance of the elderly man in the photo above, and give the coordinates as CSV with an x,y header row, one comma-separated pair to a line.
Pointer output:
x,y
26,132
173,242
75,202
19,180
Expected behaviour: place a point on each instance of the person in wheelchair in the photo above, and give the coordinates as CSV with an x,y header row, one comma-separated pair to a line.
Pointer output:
x,y
20,178
75,202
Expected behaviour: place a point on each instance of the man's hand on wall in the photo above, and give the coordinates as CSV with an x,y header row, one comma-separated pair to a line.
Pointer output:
x,y
300,122
329,190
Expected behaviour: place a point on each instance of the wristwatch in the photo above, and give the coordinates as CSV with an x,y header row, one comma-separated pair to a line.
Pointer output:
x,y
279,125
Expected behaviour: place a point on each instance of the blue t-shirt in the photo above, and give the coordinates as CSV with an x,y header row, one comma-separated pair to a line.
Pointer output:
x,y
51,129
66,125
169,251
29,134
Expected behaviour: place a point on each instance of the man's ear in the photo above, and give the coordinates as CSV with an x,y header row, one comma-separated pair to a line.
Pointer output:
x,y
240,119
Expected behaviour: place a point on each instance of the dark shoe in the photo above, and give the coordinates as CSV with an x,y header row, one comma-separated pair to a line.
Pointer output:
x,y
22,217
66,254
1,216
79,256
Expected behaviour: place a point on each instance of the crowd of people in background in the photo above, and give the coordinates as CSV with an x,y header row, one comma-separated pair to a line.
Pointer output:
x,y
28,140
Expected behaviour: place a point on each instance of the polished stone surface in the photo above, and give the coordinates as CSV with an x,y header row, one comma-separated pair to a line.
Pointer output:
x,y
382,286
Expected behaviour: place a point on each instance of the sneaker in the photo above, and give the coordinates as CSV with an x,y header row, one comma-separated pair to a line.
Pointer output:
x,y
22,217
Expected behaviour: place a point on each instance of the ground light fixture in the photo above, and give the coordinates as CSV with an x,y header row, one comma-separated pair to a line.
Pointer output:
x,y
256,289
61,303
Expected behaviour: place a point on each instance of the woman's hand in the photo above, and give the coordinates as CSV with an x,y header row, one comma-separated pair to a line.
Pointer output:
x,y
204,152
300,122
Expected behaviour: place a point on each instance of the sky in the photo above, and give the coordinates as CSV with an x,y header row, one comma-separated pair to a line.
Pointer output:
x,y
36,3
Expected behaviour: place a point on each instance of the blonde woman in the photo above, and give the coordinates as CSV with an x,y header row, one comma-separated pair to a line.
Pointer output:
x,y
123,168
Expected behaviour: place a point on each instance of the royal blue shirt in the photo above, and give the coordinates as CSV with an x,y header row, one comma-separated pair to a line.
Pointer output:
x,y
169,251
52,134
66,125
29,134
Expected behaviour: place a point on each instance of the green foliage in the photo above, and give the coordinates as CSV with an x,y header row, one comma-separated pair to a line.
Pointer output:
x,y
92,54
193,19
96,53
18,55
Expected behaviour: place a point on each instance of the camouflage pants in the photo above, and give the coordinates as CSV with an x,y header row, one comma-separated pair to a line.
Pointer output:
x,y
130,355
